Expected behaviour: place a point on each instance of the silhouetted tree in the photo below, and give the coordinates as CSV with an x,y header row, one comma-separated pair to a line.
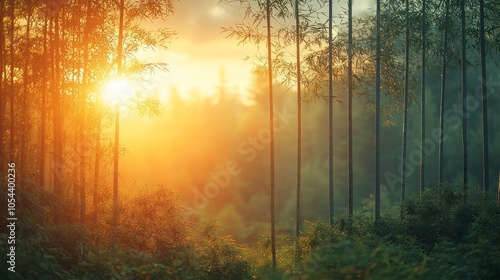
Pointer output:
x,y
299,115
119,59
12,73
405,102
377,116
43,103
57,114
24,102
422,97
484,87
464,97
83,105
271,128
330,110
3,99
349,111
443,91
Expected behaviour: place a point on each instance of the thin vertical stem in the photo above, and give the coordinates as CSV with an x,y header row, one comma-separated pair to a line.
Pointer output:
x,y
443,93
486,173
349,114
464,101
271,128
299,130
83,93
405,104
57,116
117,119
24,101
330,110
498,189
95,198
115,167
422,100
43,113
2,71
377,120
12,95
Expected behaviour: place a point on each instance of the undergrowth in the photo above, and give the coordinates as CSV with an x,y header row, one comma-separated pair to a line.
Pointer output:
x,y
438,236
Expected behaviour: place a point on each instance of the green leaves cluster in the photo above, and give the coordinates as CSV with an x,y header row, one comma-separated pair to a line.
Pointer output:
x,y
314,42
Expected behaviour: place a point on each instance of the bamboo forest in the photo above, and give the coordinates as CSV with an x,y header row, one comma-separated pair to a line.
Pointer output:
x,y
250,139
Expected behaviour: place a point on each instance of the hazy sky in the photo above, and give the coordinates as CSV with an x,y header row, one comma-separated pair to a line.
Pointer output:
x,y
200,48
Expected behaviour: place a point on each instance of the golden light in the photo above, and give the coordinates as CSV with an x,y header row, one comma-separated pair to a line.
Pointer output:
x,y
117,92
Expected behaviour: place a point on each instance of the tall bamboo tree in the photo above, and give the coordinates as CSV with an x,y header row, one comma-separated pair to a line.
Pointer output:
x,y
349,111
3,100
271,128
377,118
43,104
422,98
57,113
484,99
405,104
12,86
464,99
97,162
330,109
83,101
24,101
443,91
498,189
299,116
117,118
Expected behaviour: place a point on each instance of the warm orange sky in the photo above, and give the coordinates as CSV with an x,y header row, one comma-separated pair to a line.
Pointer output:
x,y
200,49
194,59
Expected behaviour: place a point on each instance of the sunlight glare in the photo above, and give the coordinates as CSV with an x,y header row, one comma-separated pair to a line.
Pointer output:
x,y
117,92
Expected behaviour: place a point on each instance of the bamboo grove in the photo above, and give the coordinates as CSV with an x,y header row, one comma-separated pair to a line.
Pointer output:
x,y
56,58
366,58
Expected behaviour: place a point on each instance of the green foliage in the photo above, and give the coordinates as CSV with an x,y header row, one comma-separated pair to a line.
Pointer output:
x,y
438,237
219,256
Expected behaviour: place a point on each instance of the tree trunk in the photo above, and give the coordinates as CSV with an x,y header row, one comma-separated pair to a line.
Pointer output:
x,y
498,189
298,252
43,113
12,87
422,100
443,92
57,119
117,119
349,114
464,101
484,99
271,128
299,116
377,120
330,108
405,104
24,104
83,106
2,92
95,197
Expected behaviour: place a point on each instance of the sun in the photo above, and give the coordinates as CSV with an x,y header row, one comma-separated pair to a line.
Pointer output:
x,y
117,92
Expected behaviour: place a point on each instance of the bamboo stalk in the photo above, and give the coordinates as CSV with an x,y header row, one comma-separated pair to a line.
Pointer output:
x,y
498,197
